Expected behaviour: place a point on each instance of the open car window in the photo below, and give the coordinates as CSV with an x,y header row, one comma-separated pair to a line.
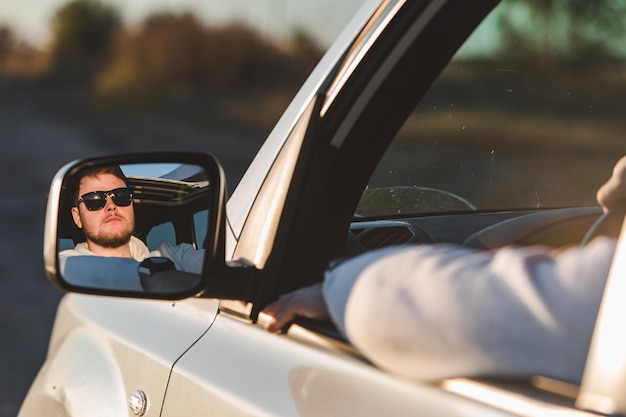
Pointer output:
x,y
526,115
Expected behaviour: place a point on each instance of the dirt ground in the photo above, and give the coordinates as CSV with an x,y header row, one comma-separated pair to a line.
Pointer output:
x,y
41,129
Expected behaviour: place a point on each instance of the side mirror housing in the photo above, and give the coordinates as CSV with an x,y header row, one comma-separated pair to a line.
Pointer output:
x,y
98,240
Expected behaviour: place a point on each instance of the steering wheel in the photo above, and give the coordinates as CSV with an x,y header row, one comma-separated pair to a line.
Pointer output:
x,y
608,224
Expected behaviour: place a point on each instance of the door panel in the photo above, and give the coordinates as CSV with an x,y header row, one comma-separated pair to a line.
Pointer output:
x,y
239,369
102,349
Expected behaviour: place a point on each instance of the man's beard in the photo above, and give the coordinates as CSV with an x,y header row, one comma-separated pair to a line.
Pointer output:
x,y
111,241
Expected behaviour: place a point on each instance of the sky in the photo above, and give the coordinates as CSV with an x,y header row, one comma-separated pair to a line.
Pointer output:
x,y
30,19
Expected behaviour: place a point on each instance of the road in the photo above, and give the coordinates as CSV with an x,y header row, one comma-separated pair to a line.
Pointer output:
x,y
41,129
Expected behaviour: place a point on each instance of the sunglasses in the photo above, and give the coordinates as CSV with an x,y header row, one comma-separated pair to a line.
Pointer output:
x,y
96,200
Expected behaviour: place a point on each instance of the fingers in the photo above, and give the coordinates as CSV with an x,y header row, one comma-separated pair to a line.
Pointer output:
x,y
306,302
613,192
280,316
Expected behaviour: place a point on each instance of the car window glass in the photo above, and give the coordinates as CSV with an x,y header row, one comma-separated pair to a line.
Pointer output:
x,y
164,232
66,244
528,114
200,221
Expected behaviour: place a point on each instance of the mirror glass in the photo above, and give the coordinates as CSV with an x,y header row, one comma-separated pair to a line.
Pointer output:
x,y
134,228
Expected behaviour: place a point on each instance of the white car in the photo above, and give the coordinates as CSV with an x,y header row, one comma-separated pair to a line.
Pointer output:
x,y
481,123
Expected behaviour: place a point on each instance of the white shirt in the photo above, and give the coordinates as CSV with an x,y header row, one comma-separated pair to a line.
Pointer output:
x,y
138,250
437,311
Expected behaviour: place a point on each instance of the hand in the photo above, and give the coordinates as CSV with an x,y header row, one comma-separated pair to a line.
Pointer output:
x,y
306,302
613,193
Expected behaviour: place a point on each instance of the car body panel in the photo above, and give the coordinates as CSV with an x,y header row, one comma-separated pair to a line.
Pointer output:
x,y
122,341
240,369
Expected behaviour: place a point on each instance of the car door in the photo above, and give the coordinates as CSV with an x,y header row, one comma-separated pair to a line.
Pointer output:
x,y
111,350
301,193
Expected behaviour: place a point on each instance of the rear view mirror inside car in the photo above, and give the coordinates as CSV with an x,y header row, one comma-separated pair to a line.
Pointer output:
x,y
139,225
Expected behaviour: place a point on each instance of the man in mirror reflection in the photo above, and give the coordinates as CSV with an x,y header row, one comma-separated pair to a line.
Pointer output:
x,y
111,255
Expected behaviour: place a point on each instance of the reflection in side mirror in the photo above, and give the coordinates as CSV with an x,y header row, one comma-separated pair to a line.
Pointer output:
x,y
101,213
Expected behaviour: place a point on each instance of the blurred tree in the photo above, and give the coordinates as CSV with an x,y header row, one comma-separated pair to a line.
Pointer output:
x,y
214,74
305,51
82,35
167,52
177,53
565,29
241,59
18,58
7,42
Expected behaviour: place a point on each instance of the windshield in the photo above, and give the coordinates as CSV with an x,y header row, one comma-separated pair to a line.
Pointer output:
x,y
528,114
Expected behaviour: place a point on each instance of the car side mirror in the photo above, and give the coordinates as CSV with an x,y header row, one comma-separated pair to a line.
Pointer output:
x,y
143,225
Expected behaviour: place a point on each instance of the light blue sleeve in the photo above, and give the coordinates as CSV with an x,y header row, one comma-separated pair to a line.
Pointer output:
x,y
185,257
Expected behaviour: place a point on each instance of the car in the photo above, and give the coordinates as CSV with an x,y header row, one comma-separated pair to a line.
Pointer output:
x,y
482,124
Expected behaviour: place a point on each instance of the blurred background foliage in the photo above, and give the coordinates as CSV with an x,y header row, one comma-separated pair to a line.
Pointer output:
x,y
83,33
169,63
172,59
231,75
572,30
